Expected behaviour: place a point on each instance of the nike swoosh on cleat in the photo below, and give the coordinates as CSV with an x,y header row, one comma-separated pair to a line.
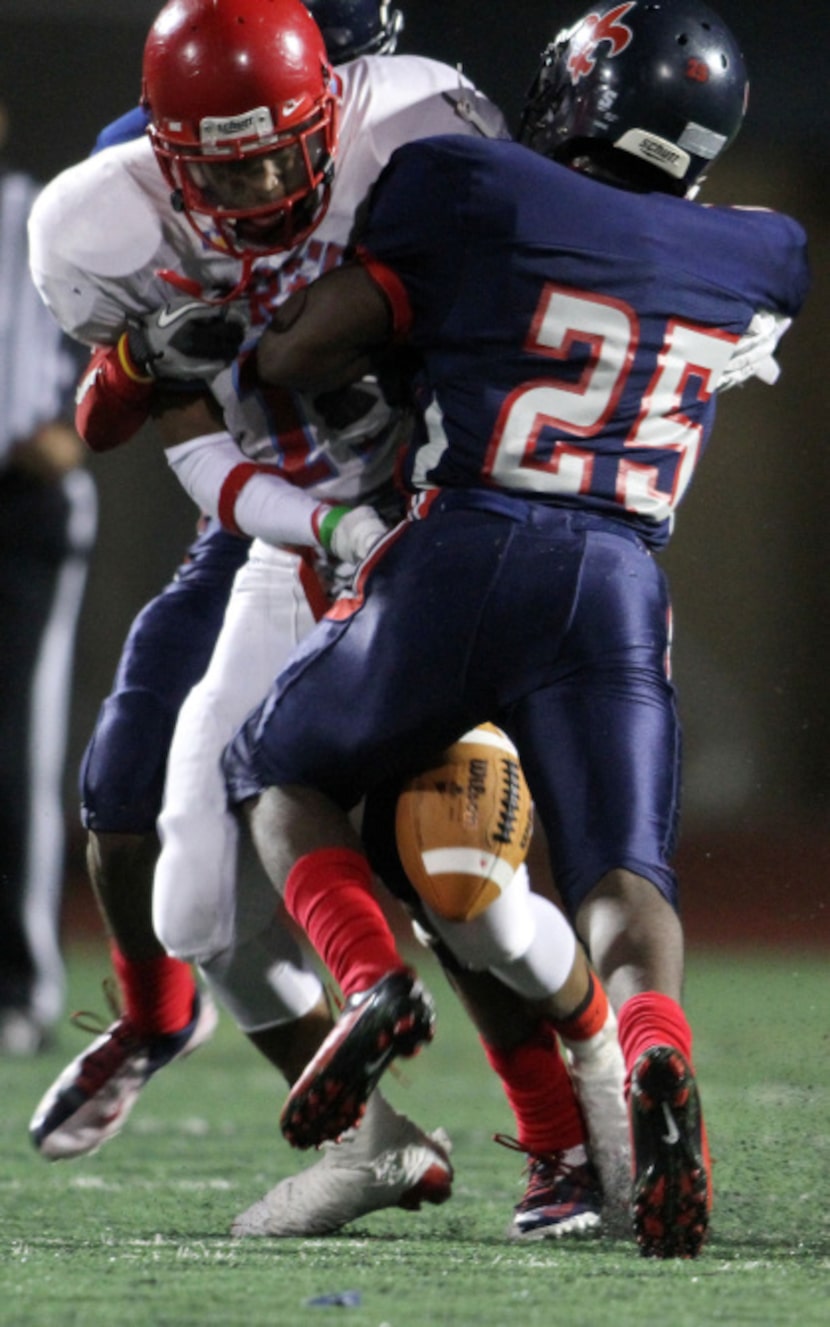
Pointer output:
x,y
372,1066
672,1135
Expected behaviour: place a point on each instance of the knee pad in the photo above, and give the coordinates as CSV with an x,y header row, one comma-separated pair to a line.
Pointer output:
x,y
544,967
499,934
522,939
123,767
209,905
264,981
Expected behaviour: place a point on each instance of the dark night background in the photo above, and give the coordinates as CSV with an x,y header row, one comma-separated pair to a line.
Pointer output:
x,y
749,561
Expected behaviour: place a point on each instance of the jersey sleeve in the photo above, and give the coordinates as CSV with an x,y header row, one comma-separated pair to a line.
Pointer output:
x,y
779,275
95,242
249,498
752,256
412,245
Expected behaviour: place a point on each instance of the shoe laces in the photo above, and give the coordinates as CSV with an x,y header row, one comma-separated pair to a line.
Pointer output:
x,y
121,1041
551,1177
87,1021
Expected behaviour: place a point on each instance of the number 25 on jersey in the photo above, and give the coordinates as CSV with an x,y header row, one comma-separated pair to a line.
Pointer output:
x,y
584,410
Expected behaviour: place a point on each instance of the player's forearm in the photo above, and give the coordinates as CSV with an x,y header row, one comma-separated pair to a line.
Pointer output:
x,y
248,498
325,335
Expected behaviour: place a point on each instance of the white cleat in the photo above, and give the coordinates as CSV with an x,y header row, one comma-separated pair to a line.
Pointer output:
x,y
386,1162
89,1102
598,1073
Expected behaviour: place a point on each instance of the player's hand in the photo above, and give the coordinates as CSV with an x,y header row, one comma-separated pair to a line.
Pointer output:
x,y
754,354
351,414
185,340
355,534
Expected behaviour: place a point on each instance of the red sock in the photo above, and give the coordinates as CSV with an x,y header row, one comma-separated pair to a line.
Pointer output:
x,y
652,1019
589,1018
538,1087
329,893
158,992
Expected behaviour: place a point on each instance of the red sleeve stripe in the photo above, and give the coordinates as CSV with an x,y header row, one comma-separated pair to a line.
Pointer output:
x,y
232,486
394,290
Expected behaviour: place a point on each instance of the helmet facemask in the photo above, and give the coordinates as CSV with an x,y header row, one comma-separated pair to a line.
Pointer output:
x,y
247,189
243,106
543,125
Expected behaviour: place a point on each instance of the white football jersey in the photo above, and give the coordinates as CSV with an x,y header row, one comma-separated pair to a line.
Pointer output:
x,y
103,231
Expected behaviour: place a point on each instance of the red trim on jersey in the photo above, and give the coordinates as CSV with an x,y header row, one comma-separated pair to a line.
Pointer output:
x,y
394,290
419,504
312,586
346,604
232,486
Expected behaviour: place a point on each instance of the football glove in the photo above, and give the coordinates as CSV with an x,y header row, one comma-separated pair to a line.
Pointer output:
x,y
754,354
350,534
350,417
185,340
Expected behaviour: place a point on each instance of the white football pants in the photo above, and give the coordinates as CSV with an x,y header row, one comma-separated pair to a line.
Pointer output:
x,y
237,936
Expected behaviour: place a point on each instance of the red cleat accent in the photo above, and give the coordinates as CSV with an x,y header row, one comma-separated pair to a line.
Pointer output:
x,y
670,1205
395,1017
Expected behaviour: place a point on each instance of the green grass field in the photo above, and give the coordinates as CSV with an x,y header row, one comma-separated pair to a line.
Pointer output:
x,y
137,1234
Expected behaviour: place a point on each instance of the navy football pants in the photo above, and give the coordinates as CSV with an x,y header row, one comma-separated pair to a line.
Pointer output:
x,y
551,623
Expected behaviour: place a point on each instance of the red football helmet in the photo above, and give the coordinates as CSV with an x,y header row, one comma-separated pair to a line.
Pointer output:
x,y
243,105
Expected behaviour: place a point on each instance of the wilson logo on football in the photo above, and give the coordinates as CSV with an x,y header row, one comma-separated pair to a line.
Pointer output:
x,y
464,826
596,28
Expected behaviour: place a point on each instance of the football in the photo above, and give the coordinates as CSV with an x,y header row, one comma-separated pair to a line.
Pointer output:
x,y
463,827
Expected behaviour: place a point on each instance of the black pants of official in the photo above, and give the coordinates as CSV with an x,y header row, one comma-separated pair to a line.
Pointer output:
x,y
47,530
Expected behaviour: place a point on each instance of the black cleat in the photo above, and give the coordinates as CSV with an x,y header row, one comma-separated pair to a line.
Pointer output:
x,y
395,1017
670,1193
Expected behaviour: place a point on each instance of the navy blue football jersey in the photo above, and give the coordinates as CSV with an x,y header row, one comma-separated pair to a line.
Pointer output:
x,y
572,333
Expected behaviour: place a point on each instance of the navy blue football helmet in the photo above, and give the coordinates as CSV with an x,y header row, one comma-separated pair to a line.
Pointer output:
x,y
356,27
662,81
